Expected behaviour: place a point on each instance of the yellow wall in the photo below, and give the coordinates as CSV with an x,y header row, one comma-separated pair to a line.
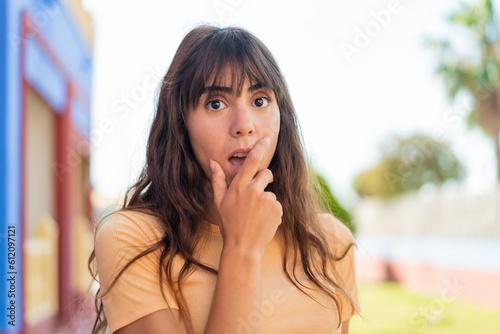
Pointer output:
x,y
39,156
40,271
40,246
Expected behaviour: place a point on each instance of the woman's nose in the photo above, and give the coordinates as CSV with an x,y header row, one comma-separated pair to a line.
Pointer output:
x,y
242,122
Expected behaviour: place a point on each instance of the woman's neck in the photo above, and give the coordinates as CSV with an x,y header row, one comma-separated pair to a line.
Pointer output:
x,y
211,214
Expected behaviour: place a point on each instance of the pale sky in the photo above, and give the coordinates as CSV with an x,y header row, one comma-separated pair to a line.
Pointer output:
x,y
346,107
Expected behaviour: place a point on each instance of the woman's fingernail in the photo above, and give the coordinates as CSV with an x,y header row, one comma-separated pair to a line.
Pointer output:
x,y
267,139
212,165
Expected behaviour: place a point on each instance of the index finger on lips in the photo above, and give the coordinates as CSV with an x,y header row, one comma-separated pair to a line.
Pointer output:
x,y
252,161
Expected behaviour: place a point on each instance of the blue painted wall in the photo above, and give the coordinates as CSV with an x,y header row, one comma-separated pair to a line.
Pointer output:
x,y
11,159
3,159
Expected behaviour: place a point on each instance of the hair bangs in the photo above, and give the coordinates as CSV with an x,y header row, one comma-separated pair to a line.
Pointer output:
x,y
229,55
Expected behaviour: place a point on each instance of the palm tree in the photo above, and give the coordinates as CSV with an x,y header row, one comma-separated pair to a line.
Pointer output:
x,y
476,73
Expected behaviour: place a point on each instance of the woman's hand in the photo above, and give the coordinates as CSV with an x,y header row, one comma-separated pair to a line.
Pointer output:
x,y
249,216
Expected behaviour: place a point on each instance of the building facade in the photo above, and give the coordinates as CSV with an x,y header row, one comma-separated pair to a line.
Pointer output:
x,y
45,85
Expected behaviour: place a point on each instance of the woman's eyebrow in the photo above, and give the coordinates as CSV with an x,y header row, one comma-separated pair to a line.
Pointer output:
x,y
209,89
255,87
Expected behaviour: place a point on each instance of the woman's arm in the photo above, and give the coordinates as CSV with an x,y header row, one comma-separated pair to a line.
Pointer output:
x,y
345,327
237,296
249,218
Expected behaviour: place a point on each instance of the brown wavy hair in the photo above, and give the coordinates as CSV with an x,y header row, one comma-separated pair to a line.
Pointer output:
x,y
172,185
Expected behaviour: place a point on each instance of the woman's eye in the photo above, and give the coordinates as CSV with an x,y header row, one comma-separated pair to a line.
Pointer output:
x,y
261,102
216,104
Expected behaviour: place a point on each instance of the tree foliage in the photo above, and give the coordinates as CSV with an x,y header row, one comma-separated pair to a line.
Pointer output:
x,y
475,71
331,203
407,164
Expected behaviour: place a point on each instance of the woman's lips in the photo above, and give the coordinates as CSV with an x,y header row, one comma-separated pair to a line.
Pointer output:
x,y
237,158
240,151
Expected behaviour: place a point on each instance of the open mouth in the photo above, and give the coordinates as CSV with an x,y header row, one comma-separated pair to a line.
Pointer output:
x,y
238,159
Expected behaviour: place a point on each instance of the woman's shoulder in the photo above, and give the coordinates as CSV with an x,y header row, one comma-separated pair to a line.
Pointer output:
x,y
129,224
336,231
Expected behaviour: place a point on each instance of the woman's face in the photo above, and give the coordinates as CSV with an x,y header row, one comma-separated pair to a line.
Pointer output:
x,y
225,127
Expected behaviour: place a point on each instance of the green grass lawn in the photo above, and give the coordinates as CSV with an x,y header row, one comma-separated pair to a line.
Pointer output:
x,y
389,308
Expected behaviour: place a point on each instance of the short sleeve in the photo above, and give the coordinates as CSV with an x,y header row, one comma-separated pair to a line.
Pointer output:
x,y
136,292
344,241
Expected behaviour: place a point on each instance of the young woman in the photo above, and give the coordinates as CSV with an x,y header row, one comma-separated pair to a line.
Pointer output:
x,y
222,233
